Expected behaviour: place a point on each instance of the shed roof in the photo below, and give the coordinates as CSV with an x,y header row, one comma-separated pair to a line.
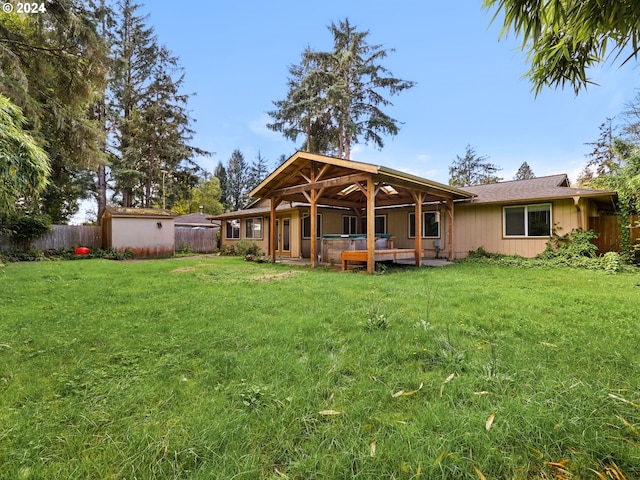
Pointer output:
x,y
138,212
535,189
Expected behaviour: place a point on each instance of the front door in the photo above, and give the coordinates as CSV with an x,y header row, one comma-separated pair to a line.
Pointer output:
x,y
283,236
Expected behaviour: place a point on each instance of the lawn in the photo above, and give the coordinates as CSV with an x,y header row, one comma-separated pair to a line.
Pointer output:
x,y
218,368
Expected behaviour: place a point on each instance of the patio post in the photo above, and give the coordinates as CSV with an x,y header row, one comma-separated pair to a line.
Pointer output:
x,y
314,228
275,201
371,225
419,198
450,239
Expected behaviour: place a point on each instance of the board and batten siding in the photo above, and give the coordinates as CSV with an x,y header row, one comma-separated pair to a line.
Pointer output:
x,y
481,226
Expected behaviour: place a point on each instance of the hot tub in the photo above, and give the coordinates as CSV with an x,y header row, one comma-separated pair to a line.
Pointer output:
x,y
334,245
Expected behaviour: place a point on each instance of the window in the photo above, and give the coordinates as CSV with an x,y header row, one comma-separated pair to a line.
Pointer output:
x,y
306,226
349,224
253,228
527,221
380,224
233,229
430,225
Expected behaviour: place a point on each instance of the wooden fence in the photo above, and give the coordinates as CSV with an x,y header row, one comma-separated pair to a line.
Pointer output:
x,y
200,240
65,236
71,236
608,229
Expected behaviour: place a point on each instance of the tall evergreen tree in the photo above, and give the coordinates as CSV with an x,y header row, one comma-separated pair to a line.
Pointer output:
x,y
603,158
237,170
472,169
258,171
135,50
334,97
221,174
153,131
524,172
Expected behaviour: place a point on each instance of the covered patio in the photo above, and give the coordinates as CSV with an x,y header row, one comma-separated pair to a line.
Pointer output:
x,y
360,187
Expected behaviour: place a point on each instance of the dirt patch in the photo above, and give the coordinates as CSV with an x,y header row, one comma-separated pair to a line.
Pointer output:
x,y
191,269
276,276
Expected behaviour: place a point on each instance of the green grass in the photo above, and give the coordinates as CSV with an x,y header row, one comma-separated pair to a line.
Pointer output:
x,y
217,368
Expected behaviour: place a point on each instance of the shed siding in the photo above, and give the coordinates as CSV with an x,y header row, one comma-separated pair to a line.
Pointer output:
x,y
142,236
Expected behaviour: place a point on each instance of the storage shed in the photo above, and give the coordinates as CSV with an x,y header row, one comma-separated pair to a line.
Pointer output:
x,y
146,232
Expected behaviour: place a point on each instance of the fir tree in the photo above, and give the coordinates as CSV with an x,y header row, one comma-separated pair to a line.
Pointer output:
x,y
472,169
524,172
334,97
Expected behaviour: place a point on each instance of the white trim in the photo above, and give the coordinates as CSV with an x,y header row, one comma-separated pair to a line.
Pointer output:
x,y
436,213
526,220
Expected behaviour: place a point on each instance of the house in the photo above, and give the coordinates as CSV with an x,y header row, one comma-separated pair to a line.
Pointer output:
x,y
517,217
325,205
145,232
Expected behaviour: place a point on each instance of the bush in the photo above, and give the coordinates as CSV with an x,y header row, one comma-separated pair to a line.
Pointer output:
x,y
575,244
245,247
612,262
23,229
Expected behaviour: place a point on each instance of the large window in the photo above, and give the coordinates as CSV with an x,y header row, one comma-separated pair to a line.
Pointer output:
x,y
233,229
306,226
380,224
527,220
253,228
349,224
430,225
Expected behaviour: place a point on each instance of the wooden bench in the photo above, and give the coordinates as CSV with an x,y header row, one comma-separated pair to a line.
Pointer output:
x,y
352,256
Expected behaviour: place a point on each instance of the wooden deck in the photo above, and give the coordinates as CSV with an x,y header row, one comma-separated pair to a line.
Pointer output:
x,y
382,255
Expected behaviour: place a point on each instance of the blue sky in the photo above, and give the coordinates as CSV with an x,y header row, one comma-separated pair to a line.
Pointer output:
x,y
470,87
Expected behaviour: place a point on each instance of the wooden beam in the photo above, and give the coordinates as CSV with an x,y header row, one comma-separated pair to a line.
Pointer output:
x,y
322,171
419,199
371,226
330,182
313,213
450,239
272,228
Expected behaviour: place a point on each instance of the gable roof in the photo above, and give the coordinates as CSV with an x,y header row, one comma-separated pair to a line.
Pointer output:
x,y
535,189
197,219
338,180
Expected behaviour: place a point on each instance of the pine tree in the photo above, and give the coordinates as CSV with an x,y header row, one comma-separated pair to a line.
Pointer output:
x,y
258,171
237,176
221,174
153,131
603,159
524,172
472,170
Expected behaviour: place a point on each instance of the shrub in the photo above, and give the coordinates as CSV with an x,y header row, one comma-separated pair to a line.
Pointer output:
x,y
228,250
576,244
245,247
612,262
23,229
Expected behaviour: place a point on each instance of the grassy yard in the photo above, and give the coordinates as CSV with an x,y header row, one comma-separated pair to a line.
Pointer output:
x,y
217,368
